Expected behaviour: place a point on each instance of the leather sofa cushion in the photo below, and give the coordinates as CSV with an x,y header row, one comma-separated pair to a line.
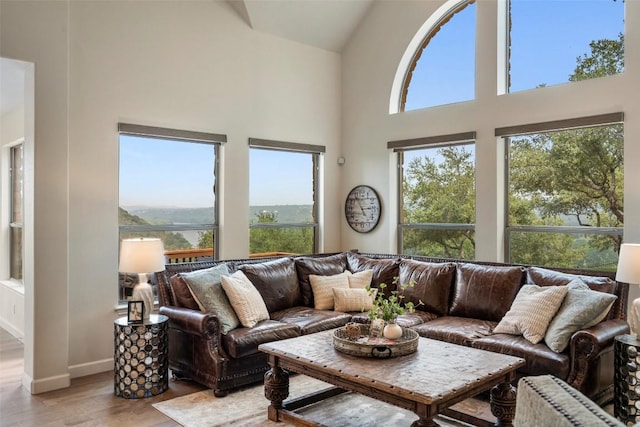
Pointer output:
x,y
384,269
545,277
242,342
539,359
457,330
277,282
181,294
485,291
310,320
433,283
321,266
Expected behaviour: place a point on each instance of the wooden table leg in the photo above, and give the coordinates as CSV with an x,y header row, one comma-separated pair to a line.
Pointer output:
x,y
276,389
503,404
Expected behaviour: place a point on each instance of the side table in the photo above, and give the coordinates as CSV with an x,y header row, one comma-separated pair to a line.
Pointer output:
x,y
626,381
141,360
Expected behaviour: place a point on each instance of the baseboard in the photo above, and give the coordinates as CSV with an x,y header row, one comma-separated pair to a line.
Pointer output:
x,y
84,369
4,324
45,384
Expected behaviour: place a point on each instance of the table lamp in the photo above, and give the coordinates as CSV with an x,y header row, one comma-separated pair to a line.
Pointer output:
x,y
142,256
629,272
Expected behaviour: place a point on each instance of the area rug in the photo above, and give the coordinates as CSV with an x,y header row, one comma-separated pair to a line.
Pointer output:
x,y
248,408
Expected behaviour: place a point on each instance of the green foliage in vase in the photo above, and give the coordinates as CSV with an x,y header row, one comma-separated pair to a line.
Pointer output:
x,y
389,307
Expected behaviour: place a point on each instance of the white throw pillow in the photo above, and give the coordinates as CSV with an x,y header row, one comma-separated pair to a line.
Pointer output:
x,y
361,279
355,299
245,299
322,287
531,312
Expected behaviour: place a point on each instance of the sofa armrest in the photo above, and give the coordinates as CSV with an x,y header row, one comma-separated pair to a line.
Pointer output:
x,y
192,322
591,352
589,342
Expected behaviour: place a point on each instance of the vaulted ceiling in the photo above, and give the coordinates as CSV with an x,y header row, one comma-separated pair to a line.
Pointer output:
x,y
326,24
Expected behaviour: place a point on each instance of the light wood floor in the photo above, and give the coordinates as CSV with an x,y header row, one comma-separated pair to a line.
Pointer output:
x,y
89,401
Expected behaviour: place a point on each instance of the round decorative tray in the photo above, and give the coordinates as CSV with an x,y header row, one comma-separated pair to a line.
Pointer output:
x,y
367,346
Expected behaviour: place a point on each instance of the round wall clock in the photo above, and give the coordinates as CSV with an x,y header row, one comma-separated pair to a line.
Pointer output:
x,y
362,208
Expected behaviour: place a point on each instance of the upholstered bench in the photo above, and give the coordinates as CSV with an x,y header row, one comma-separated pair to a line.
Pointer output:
x,y
548,401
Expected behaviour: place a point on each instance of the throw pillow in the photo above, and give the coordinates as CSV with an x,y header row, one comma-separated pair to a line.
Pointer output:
x,y
206,288
531,312
322,288
355,299
361,279
245,299
581,306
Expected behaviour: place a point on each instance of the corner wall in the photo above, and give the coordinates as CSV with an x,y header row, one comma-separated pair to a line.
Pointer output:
x,y
191,65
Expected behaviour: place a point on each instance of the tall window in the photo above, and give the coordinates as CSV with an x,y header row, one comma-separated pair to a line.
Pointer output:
x,y
168,190
443,68
565,193
282,197
547,38
16,221
437,196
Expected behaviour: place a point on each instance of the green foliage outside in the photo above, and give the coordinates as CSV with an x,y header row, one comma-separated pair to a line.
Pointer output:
x,y
298,240
565,178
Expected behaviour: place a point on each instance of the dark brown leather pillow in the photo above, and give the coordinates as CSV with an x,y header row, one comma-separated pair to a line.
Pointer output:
x,y
384,269
485,292
433,282
182,296
277,282
321,266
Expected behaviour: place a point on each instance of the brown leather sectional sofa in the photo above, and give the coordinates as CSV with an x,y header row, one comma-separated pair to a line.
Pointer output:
x,y
463,302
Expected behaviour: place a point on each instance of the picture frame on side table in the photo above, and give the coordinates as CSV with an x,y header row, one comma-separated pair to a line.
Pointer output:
x,y
135,312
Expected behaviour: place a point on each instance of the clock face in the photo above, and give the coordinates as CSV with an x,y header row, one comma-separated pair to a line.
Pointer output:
x,y
362,208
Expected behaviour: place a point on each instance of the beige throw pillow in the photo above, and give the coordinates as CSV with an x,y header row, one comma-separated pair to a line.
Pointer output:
x,y
531,312
322,287
355,299
245,299
361,279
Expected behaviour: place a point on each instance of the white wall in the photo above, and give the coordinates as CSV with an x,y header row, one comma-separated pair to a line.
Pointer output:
x,y
369,66
177,64
197,66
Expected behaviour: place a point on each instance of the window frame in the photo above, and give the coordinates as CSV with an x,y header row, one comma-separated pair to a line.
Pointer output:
x,y
552,126
400,147
14,225
316,151
214,140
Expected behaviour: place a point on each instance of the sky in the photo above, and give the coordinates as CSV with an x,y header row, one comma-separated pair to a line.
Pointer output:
x,y
547,37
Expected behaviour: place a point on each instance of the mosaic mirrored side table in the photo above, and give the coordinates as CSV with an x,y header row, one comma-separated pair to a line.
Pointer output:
x,y
141,359
626,381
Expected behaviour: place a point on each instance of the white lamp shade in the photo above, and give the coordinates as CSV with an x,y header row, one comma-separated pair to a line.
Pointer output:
x,y
141,255
629,264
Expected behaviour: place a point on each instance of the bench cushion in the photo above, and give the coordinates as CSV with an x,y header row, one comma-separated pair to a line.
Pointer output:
x,y
277,282
539,359
245,341
457,330
485,292
310,320
432,284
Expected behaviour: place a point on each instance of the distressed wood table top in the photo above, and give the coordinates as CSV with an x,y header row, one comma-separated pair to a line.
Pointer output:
x,y
427,382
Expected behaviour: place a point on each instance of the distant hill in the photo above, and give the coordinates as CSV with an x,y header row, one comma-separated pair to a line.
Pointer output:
x,y
286,213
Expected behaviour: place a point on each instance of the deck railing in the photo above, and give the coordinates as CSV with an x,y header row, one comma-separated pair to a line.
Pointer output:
x,y
194,255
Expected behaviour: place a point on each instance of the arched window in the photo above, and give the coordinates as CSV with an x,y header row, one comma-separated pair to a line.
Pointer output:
x,y
555,42
442,71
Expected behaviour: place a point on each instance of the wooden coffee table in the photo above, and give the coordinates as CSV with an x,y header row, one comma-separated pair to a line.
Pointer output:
x,y
426,382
